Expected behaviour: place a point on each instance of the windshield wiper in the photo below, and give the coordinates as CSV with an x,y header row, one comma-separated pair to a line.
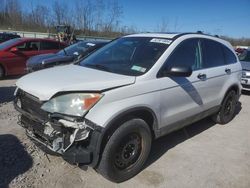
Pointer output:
x,y
98,66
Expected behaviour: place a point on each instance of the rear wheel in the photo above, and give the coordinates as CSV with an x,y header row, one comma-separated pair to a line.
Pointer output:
x,y
227,110
126,151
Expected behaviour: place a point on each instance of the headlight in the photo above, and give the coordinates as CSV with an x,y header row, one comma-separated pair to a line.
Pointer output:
x,y
75,104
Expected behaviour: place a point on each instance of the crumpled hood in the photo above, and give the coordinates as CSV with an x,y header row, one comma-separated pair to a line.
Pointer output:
x,y
46,83
245,65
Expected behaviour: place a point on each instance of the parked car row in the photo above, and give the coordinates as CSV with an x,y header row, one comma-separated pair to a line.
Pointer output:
x,y
244,58
22,55
15,52
65,56
106,110
7,36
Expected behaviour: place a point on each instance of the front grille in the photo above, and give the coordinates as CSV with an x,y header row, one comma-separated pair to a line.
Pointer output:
x,y
37,129
246,86
32,105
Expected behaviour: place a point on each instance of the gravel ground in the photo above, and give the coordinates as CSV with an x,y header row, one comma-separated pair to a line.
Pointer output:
x,y
202,155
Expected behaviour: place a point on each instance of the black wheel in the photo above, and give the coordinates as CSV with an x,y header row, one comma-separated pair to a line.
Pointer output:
x,y
1,72
126,151
227,110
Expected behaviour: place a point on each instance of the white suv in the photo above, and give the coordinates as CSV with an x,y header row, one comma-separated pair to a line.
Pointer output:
x,y
105,111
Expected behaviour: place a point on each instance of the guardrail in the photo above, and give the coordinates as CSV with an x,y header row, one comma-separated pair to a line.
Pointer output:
x,y
51,35
31,34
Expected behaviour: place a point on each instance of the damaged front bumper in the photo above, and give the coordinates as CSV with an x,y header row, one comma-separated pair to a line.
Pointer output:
x,y
76,141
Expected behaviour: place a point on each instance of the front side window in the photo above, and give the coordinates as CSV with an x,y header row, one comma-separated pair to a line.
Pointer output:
x,y
186,54
29,46
212,54
131,56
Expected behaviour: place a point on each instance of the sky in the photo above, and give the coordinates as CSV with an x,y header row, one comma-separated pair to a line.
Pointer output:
x,y
222,17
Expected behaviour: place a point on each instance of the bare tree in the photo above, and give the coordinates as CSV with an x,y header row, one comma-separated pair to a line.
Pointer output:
x,y
40,15
99,14
163,26
176,25
84,15
60,11
13,13
128,29
114,14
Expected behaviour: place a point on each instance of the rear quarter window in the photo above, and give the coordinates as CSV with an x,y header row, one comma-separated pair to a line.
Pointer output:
x,y
229,55
212,54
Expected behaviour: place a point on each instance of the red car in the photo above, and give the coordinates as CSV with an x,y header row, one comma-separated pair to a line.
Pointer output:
x,y
14,53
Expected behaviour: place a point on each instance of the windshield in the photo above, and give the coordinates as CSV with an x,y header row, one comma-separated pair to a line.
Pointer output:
x,y
131,56
8,43
245,56
76,49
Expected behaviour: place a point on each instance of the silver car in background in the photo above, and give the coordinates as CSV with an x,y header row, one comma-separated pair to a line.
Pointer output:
x,y
244,58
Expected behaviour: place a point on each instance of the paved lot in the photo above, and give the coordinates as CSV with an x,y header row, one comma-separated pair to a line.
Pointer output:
x,y
202,155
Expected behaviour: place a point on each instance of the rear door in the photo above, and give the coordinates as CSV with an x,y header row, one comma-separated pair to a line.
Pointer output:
x,y
216,71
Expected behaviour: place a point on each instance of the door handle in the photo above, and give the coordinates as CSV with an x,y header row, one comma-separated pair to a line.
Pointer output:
x,y
228,71
202,76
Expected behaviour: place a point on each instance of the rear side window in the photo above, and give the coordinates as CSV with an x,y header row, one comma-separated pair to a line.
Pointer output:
x,y
47,45
212,54
186,54
229,55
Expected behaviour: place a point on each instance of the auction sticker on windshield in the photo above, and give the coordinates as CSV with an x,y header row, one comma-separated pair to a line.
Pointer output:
x,y
138,68
163,41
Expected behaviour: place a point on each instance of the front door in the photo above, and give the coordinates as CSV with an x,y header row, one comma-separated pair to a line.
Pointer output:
x,y
17,59
182,97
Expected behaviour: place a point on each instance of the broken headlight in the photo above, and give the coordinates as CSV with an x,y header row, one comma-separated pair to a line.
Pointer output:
x,y
74,104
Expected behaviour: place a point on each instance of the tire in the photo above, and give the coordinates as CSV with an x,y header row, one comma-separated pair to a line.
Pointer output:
x,y
227,109
126,151
2,74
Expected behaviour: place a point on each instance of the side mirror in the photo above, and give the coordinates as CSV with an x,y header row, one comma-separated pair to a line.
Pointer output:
x,y
14,49
178,71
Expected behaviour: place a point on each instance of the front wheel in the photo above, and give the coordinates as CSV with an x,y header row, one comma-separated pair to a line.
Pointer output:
x,y
126,151
227,110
